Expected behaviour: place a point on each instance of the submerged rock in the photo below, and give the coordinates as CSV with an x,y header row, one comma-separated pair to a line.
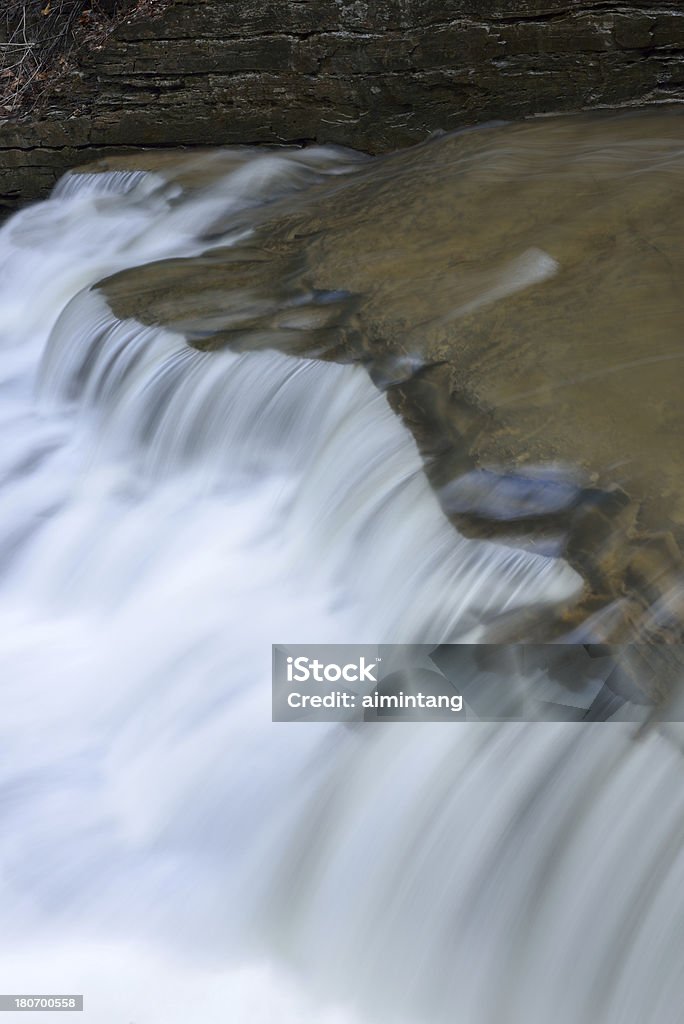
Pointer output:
x,y
508,496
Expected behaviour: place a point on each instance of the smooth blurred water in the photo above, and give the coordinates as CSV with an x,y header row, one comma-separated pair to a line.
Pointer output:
x,y
165,516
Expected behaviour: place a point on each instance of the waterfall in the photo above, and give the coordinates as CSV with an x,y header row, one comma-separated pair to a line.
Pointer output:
x,y
166,515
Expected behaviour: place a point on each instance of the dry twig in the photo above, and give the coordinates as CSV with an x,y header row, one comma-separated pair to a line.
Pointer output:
x,y
38,39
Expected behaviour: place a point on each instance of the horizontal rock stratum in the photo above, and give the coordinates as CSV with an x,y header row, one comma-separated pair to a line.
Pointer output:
x,y
374,76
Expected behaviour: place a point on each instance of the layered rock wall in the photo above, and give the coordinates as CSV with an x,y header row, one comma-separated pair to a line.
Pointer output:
x,y
372,74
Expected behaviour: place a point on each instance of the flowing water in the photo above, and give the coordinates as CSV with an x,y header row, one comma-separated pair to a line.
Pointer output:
x,y
166,514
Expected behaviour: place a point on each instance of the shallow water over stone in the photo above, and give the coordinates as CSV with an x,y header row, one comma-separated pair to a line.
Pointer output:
x,y
518,291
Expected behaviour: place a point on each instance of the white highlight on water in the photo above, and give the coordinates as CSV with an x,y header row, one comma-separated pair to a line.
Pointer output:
x,y
165,516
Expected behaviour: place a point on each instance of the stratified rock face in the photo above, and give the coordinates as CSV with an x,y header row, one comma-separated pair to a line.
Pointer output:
x,y
372,75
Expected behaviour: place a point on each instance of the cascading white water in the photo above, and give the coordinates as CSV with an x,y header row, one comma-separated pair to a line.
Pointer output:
x,y
168,514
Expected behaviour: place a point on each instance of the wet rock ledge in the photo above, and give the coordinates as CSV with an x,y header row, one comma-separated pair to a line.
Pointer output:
x,y
517,292
374,76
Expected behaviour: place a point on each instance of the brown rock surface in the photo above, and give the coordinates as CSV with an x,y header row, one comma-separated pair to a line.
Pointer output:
x,y
532,275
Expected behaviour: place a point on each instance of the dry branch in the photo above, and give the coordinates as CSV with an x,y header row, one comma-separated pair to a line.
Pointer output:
x,y
38,39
